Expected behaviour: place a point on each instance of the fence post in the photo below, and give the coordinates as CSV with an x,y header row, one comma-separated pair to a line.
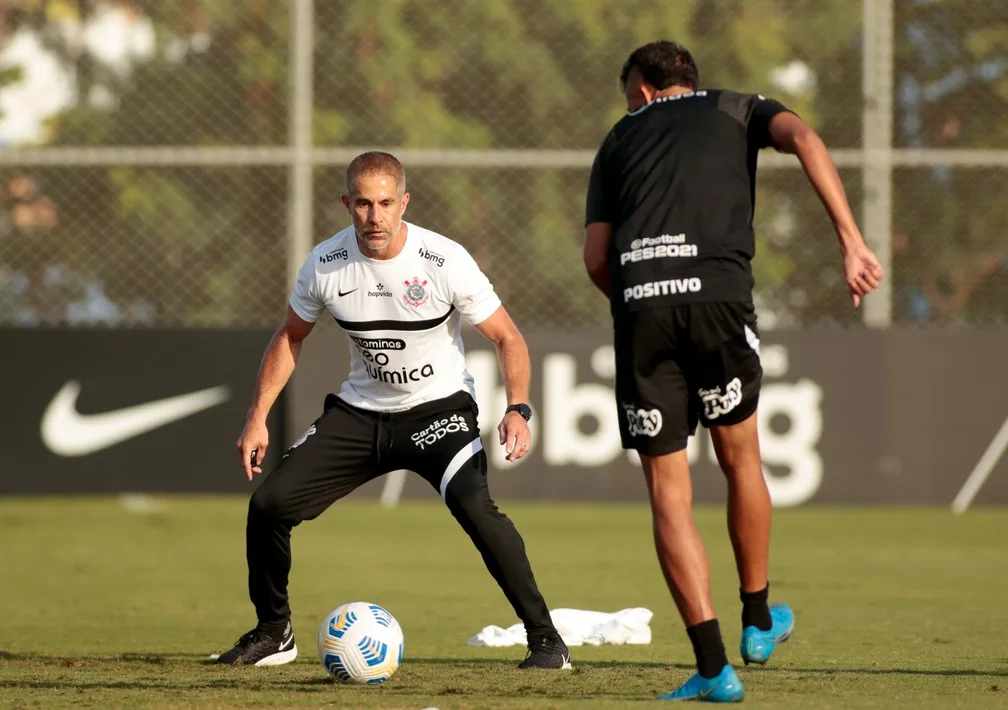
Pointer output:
x,y
877,145
300,183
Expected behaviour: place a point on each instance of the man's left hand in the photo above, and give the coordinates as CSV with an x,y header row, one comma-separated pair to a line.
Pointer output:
x,y
514,435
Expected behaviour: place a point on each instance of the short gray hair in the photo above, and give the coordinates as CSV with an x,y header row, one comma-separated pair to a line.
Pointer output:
x,y
375,162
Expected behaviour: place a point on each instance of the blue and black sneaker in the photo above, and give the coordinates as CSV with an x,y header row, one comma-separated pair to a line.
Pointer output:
x,y
757,646
725,687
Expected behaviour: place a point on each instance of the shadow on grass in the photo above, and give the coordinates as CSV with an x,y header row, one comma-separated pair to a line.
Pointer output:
x,y
154,658
650,665
218,678
510,664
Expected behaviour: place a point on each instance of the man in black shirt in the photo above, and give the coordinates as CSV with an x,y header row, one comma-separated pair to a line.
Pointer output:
x,y
669,240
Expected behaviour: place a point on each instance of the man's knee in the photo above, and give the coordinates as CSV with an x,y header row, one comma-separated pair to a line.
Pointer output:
x,y
468,497
470,503
269,503
737,445
668,479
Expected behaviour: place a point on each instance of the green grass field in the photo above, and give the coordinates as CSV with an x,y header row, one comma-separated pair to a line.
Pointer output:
x,y
103,606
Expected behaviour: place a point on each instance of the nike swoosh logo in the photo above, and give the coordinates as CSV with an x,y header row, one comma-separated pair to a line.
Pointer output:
x,y
287,643
67,432
347,293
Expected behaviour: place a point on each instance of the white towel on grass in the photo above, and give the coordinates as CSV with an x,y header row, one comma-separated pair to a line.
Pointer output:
x,y
578,627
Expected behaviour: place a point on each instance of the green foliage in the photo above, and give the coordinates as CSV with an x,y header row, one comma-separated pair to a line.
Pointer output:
x,y
523,74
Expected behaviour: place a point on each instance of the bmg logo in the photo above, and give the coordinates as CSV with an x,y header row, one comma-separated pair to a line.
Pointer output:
x,y
431,256
333,256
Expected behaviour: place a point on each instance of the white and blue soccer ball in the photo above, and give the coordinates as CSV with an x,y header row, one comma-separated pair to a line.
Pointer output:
x,y
360,642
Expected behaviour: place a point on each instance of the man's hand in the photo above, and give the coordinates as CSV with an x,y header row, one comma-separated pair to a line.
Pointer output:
x,y
862,271
514,435
254,438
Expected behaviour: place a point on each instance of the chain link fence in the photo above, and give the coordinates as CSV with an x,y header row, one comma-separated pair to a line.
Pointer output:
x,y
147,147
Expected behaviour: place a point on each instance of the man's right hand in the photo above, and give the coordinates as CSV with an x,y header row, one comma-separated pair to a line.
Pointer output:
x,y
862,272
254,439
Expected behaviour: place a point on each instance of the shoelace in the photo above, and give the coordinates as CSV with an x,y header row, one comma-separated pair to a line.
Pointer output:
x,y
544,643
252,637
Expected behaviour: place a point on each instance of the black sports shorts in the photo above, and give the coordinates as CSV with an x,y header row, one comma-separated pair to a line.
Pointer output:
x,y
680,365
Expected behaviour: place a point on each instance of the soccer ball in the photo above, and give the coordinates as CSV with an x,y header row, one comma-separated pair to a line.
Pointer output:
x,y
360,643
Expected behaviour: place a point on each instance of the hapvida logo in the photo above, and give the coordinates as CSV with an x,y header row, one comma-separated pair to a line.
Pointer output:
x,y
380,292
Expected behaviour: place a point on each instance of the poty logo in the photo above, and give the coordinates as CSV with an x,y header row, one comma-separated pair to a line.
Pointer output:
x,y
333,256
716,404
642,422
431,256
661,288
438,429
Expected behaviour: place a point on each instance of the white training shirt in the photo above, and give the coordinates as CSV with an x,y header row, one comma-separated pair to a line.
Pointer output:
x,y
402,316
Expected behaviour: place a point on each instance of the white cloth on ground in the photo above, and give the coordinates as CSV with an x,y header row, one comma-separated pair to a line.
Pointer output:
x,y
578,627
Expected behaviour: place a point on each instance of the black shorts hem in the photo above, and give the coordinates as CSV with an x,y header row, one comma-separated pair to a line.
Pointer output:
x,y
738,415
657,448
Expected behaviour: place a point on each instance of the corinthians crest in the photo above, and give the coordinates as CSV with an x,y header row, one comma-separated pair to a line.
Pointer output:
x,y
416,294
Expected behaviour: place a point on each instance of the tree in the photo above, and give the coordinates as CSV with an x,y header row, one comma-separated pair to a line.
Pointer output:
x,y
205,245
952,82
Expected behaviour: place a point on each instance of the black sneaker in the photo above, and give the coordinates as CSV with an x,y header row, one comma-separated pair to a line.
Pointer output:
x,y
260,648
547,652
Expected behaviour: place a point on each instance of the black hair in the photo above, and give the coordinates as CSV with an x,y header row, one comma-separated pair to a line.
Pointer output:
x,y
662,64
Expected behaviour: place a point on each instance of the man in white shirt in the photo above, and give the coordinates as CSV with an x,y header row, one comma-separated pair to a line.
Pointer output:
x,y
399,292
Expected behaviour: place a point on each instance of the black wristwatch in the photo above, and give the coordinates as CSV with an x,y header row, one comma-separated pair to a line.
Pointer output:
x,y
523,409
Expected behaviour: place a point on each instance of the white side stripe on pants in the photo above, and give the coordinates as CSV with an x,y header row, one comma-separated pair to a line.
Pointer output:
x,y
751,338
466,453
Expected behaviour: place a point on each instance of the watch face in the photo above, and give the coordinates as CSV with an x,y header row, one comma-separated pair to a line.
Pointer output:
x,y
522,409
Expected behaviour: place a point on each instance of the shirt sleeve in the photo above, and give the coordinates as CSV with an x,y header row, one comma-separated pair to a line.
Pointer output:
x,y
306,301
472,292
600,204
761,111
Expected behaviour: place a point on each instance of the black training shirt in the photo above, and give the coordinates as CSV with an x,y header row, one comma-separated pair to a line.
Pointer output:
x,y
677,181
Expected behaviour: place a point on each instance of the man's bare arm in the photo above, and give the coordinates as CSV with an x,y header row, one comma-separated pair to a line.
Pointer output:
x,y
512,354
792,135
277,365
516,371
